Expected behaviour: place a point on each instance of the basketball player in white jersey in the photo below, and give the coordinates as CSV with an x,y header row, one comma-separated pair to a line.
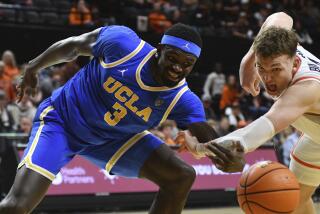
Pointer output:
x,y
291,75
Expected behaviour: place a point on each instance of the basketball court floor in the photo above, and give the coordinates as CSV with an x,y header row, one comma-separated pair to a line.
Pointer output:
x,y
219,210
228,210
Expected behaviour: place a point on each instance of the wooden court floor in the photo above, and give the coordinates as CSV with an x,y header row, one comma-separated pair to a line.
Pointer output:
x,y
220,210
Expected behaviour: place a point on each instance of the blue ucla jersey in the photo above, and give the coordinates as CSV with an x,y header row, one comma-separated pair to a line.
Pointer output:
x,y
114,96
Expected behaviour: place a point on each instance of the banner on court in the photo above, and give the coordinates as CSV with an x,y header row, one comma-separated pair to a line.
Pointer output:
x,y
82,177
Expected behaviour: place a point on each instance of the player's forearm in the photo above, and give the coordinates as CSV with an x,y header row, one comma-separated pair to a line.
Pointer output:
x,y
61,51
202,131
253,135
248,60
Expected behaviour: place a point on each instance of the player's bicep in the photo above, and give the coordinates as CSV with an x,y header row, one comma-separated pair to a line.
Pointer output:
x,y
297,100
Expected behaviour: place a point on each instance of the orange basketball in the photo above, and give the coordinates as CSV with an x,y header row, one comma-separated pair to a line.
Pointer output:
x,y
268,187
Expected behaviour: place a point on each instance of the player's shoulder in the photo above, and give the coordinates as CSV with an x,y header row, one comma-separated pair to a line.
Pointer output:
x,y
118,33
189,98
309,68
115,42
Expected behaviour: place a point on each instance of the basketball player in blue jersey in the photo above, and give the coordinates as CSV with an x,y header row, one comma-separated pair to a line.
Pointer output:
x,y
103,114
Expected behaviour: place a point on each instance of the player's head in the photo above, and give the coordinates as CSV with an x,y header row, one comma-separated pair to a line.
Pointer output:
x,y
178,52
276,60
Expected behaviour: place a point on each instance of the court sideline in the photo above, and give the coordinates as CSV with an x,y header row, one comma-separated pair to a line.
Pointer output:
x,y
218,210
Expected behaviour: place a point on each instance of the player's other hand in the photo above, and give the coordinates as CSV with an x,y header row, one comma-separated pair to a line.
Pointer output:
x,y
249,78
188,142
28,82
229,155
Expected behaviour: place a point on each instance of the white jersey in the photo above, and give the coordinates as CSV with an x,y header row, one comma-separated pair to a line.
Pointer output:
x,y
308,123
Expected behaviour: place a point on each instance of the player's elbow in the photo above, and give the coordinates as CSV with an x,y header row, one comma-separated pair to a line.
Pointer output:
x,y
280,19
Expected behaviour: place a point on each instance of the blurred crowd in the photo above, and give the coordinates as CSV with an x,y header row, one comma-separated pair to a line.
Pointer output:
x,y
239,18
18,117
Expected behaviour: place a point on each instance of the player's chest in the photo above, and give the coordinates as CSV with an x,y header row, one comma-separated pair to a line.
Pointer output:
x,y
126,96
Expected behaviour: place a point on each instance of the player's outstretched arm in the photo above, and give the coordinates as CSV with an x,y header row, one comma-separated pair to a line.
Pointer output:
x,y
294,102
249,78
297,100
65,50
61,51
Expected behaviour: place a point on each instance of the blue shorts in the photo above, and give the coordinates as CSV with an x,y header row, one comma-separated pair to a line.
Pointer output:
x,y
51,147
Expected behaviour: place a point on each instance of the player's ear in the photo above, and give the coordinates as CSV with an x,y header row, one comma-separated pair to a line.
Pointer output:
x,y
296,64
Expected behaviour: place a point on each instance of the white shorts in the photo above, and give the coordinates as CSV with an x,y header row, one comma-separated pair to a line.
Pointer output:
x,y
305,161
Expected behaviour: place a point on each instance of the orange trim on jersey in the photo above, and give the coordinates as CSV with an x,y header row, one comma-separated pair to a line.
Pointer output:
x,y
310,113
301,161
304,163
305,77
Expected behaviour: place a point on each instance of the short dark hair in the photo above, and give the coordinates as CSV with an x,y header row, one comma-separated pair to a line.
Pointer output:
x,y
185,32
276,41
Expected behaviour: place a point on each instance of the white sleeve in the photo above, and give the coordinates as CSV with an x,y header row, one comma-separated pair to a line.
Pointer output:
x,y
253,135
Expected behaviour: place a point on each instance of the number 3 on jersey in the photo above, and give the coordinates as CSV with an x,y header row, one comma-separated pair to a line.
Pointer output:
x,y
113,118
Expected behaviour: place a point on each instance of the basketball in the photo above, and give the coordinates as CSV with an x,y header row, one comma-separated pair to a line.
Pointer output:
x,y
268,187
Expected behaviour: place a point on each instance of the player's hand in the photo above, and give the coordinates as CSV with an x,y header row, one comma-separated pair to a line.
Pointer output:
x,y
188,142
229,155
28,83
249,78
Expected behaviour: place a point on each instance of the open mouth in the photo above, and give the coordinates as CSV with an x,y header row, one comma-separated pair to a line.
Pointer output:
x,y
272,88
173,76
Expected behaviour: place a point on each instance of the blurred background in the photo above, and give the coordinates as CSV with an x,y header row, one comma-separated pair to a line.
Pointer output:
x,y
228,27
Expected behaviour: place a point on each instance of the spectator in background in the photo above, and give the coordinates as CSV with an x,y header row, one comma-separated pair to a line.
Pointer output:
x,y
206,100
219,18
10,66
158,21
262,14
202,19
223,127
302,33
257,109
241,27
213,123
171,10
5,83
288,144
26,108
235,116
230,93
313,11
169,130
80,14
46,83
25,125
6,118
213,87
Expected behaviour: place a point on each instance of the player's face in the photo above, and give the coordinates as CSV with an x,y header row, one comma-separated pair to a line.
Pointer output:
x,y
174,65
276,72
